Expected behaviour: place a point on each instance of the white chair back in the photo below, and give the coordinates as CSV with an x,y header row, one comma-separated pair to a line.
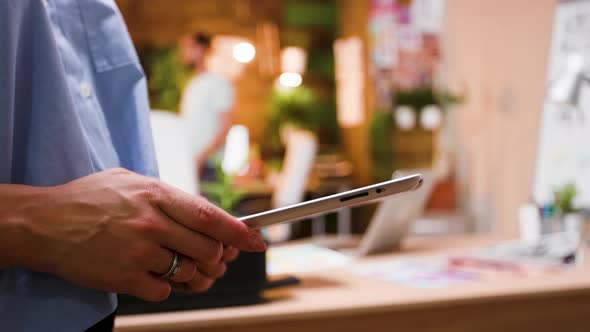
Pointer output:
x,y
237,149
173,154
301,149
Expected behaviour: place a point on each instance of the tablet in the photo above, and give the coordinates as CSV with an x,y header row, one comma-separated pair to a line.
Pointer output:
x,y
322,205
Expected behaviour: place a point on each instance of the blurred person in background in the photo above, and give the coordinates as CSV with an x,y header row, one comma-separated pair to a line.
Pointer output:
x,y
206,103
82,213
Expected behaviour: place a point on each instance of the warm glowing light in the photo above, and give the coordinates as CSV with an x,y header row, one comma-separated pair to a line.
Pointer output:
x,y
290,80
293,60
244,52
350,94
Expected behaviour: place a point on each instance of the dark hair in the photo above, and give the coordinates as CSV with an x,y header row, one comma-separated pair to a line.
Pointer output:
x,y
202,39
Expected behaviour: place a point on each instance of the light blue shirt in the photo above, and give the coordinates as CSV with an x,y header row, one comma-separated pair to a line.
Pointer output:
x,y
73,102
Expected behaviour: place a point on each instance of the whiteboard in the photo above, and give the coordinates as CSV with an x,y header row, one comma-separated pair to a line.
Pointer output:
x,y
564,143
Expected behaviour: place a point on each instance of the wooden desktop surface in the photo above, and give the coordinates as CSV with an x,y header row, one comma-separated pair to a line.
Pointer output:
x,y
338,300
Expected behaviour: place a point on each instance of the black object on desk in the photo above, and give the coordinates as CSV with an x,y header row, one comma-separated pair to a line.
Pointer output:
x,y
242,284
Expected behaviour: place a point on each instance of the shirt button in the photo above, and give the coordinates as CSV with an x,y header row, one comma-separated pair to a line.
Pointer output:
x,y
45,3
85,90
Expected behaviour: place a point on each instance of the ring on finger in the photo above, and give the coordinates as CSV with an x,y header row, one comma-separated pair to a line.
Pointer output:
x,y
174,267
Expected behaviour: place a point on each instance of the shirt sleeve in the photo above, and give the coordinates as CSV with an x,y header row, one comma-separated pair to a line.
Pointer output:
x,y
29,59
9,18
221,95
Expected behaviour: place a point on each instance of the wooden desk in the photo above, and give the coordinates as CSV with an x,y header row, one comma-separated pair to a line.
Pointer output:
x,y
336,300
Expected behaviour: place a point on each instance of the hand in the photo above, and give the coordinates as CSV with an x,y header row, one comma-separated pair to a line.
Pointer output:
x,y
116,231
229,255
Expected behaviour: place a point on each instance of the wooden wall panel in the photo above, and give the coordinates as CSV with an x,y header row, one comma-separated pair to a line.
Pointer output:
x,y
498,50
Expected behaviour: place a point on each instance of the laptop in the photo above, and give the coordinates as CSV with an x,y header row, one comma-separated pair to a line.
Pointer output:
x,y
392,220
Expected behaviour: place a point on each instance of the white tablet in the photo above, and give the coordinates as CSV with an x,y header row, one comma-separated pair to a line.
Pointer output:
x,y
329,203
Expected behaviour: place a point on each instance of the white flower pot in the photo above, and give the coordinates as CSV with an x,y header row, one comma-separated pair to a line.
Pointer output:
x,y
572,223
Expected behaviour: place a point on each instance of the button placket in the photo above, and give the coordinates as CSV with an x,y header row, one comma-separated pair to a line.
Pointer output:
x,y
85,90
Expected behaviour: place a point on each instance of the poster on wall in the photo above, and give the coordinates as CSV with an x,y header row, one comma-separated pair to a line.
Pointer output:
x,y
383,33
350,91
564,141
404,42
428,16
403,45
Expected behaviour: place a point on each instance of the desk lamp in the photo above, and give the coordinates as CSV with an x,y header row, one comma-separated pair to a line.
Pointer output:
x,y
565,88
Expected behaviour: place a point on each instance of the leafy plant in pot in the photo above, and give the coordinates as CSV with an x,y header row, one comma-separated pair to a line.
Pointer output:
x,y
167,77
417,99
294,117
221,192
295,109
383,125
564,207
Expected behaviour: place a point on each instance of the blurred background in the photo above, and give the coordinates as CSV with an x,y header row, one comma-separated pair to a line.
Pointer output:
x,y
300,99
259,104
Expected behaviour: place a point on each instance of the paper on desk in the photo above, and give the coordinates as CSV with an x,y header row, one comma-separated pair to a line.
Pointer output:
x,y
552,253
294,259
419,274
553,250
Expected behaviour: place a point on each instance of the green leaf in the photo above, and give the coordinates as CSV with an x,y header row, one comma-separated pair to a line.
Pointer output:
x,y
222,192
167,78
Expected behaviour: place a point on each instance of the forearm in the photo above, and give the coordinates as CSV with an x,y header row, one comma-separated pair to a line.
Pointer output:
x,y
219,139
215,144
18,205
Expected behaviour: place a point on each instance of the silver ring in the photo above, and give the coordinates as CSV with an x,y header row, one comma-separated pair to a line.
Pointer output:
x,y
174,267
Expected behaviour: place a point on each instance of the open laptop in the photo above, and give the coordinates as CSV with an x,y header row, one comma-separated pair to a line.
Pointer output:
x,y
394,216
392,220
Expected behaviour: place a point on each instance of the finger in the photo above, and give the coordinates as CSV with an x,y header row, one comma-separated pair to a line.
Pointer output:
x,y
201,216
199,283
200,248
163,264
187,271
214,271
230,254
150,288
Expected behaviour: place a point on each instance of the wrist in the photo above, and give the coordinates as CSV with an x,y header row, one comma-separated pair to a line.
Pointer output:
x,y
20,216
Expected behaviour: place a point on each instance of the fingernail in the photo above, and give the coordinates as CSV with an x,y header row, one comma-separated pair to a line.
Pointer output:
x,y
256,242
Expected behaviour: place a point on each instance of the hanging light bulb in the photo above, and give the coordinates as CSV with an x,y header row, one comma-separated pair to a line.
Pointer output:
x,y
290,80
243,52
293,60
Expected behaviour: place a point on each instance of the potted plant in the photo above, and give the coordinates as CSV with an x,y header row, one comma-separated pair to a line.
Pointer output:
x,y
167,77
222,192
564,207
292,109
294,120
